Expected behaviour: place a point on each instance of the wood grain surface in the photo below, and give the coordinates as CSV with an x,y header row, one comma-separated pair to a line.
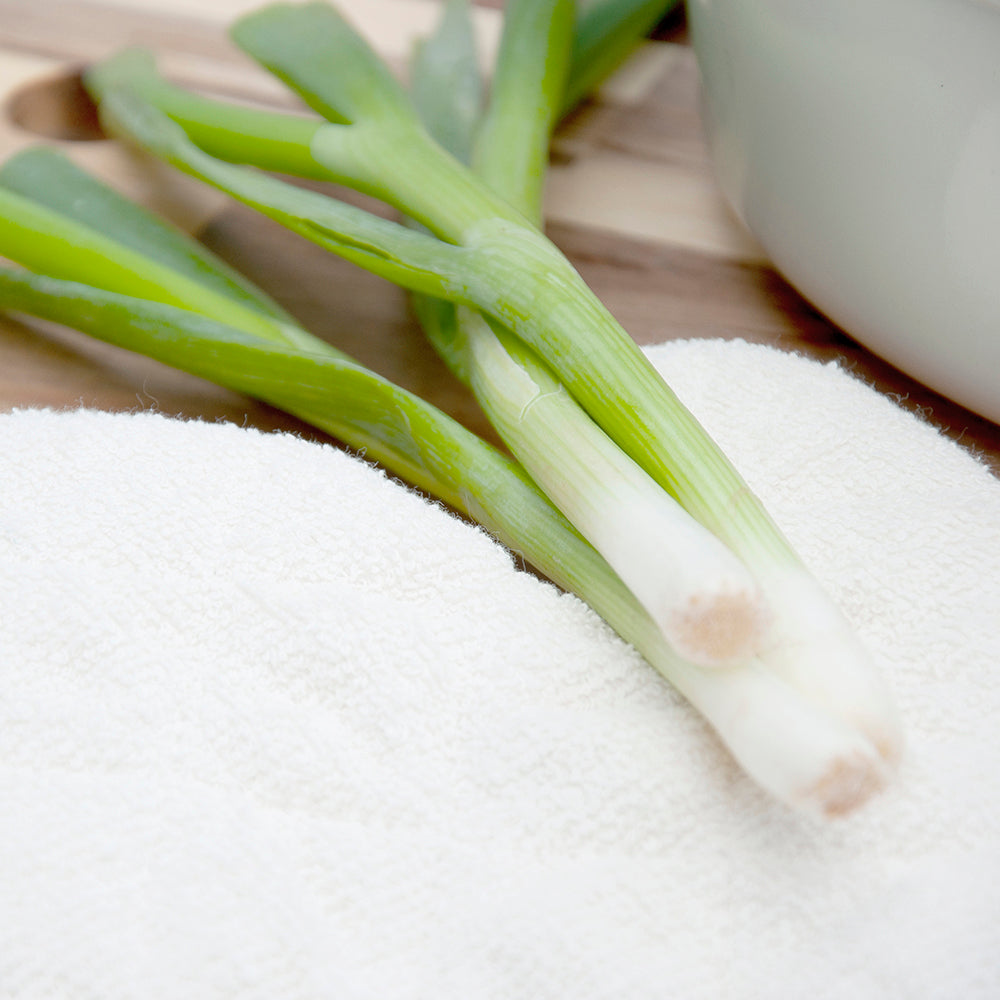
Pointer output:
x,y
630,200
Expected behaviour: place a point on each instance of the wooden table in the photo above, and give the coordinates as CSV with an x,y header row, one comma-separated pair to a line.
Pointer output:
x,y
631,201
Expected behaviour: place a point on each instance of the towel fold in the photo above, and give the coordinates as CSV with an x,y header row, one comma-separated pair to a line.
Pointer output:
x,y
273,726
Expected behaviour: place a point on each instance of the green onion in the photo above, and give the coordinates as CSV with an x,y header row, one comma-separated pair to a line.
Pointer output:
x,y
502,266
416,441
807,717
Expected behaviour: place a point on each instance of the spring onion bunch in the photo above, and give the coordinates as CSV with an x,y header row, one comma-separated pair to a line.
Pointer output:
x,y
679,556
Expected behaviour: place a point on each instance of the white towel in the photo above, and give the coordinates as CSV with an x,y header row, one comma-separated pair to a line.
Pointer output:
x,y
273,726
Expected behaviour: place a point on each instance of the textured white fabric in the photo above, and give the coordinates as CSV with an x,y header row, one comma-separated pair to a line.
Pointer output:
x,y
272,726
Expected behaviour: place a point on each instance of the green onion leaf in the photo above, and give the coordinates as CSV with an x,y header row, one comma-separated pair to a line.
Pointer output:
x,y
45,240
447,62
50,178
607,32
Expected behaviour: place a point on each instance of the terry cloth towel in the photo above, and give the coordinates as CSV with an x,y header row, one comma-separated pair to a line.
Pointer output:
x,y
272,726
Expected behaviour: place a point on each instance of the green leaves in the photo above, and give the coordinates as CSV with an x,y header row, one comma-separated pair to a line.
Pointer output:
x,y
446,63
233,132
329,65
607,31
50,179
528,85
412,259
46,240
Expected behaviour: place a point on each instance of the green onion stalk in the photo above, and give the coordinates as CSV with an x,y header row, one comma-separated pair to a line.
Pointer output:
x,y
483,253
806,716
259,350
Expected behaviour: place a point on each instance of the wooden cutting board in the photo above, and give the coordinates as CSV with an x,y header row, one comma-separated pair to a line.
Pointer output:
x,y
630,200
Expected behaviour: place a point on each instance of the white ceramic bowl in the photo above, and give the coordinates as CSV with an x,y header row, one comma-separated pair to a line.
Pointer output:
x,y
859,141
